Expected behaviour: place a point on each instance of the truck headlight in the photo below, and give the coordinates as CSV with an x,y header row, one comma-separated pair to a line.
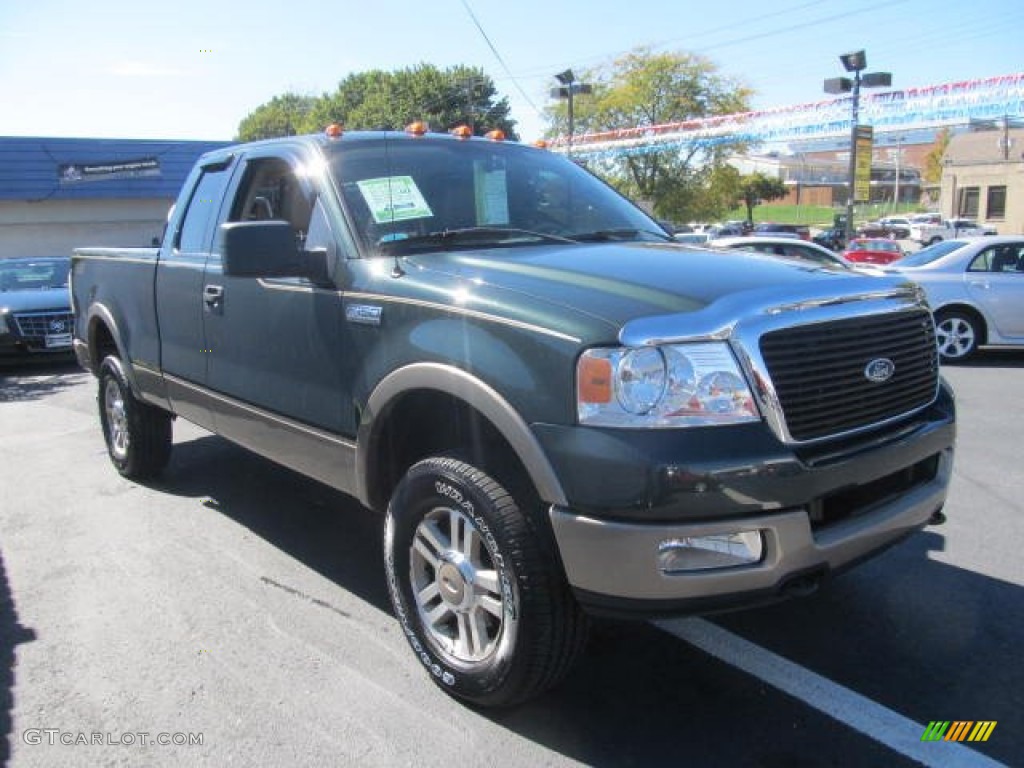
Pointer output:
x,y
675,385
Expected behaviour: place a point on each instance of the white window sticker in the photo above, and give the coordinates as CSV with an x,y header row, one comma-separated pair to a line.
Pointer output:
x,y
491,196
394,198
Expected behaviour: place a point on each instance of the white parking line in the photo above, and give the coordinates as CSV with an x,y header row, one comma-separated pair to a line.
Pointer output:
x,y
870,718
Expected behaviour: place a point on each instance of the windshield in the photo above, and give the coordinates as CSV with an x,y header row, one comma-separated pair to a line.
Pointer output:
x,y
436,193
930,254
34,274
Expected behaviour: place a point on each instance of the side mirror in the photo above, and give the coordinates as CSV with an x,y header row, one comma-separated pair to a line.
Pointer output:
x,y
268,249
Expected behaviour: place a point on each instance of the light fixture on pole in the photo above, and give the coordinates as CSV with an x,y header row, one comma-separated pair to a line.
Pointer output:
x,y
856,62
568,88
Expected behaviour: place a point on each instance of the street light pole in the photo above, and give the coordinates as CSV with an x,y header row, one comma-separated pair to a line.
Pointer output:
x,y
896,190
855,62
566,91
852,177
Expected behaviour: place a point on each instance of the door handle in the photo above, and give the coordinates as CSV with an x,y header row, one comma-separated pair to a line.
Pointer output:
x,y
213,296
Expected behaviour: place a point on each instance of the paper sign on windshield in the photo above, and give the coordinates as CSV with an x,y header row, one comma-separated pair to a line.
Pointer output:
x,y
394,198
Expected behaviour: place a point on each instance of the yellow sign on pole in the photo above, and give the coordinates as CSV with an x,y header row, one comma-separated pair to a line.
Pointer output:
x,y
862,175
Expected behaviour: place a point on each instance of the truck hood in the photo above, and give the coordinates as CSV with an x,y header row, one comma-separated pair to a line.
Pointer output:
x,y
36,301
620,282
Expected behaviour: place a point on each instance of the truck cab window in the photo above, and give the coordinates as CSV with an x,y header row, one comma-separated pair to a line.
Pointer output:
x,y
269,191
196,227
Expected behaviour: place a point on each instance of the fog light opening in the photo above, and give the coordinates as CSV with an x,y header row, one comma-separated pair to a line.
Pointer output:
x,y
703,553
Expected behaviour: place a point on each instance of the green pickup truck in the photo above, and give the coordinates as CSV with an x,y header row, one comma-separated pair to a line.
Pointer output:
x,y
559,411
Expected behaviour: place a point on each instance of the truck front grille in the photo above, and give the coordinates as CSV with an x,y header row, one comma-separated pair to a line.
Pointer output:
x,y
38,325
819,371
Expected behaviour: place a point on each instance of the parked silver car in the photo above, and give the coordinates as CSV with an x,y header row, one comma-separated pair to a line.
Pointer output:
x,y
975,287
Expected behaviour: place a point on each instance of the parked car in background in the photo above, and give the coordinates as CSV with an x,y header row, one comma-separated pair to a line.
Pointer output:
x,y
975,287
926,218
691,238
785,247
872,250
926,234
35,308
770,228
893,228
724,230
833,238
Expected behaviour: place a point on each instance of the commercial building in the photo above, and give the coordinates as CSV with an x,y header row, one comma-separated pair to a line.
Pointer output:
x,y
983,177
57,194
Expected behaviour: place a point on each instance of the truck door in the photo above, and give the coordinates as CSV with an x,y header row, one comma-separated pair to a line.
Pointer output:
x,y
275,343
179,287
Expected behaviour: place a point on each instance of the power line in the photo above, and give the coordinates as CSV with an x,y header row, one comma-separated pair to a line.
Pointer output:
x,y
515,82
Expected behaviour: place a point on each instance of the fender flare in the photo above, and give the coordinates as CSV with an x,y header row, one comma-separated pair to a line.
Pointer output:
x,y
97,314
475,393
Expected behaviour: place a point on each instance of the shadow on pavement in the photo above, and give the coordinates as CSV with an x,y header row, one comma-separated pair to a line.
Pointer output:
x,y
12,634
37,379
322,528
994,358
922,638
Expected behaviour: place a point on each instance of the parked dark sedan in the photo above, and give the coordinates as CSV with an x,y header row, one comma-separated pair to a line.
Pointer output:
x,y
35,307
833,238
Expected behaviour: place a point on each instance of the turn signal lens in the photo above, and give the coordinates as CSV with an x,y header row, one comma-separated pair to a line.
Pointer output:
x,y
595,380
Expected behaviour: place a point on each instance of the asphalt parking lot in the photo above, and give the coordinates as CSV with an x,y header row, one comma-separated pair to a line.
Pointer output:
x,y
242,606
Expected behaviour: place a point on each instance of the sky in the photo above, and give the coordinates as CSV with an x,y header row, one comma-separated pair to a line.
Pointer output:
x,y
192,69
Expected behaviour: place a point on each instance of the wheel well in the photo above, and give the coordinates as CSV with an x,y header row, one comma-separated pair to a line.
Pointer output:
x,y
426,423
101,343
966,309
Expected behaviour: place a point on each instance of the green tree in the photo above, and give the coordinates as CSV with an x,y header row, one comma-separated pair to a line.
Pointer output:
x,y
644,89
284,115
391,100
758,188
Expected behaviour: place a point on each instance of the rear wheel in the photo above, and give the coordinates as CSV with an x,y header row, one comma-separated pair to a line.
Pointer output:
x,y
480,597
958,335
138,436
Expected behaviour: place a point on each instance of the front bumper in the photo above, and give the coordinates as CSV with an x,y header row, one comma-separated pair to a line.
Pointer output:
x,y
14,347
816,514
613,567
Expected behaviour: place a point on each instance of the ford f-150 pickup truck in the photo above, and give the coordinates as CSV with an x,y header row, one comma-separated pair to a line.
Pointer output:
x,y
558,410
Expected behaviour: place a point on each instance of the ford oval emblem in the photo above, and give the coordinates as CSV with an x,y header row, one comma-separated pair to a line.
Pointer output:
x,y
879,370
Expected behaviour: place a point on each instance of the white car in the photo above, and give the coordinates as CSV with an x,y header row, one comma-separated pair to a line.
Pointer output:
x,y
975,287
787,248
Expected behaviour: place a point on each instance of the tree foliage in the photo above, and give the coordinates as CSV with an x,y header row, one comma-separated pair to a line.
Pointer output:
x,y
390,100
933,160
284,115
758,188
647,89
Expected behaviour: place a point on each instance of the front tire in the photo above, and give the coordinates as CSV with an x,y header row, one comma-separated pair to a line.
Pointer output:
x,y
958,335
138,436
480,597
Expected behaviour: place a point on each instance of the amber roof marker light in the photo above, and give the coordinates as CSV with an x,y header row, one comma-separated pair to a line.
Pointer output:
x,y
334,131
462,132
416,128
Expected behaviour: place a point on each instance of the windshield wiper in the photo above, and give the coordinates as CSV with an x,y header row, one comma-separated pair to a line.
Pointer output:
x,y
622,233
469,236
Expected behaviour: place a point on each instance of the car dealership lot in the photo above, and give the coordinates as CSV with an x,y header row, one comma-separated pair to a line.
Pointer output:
x,y
243,603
